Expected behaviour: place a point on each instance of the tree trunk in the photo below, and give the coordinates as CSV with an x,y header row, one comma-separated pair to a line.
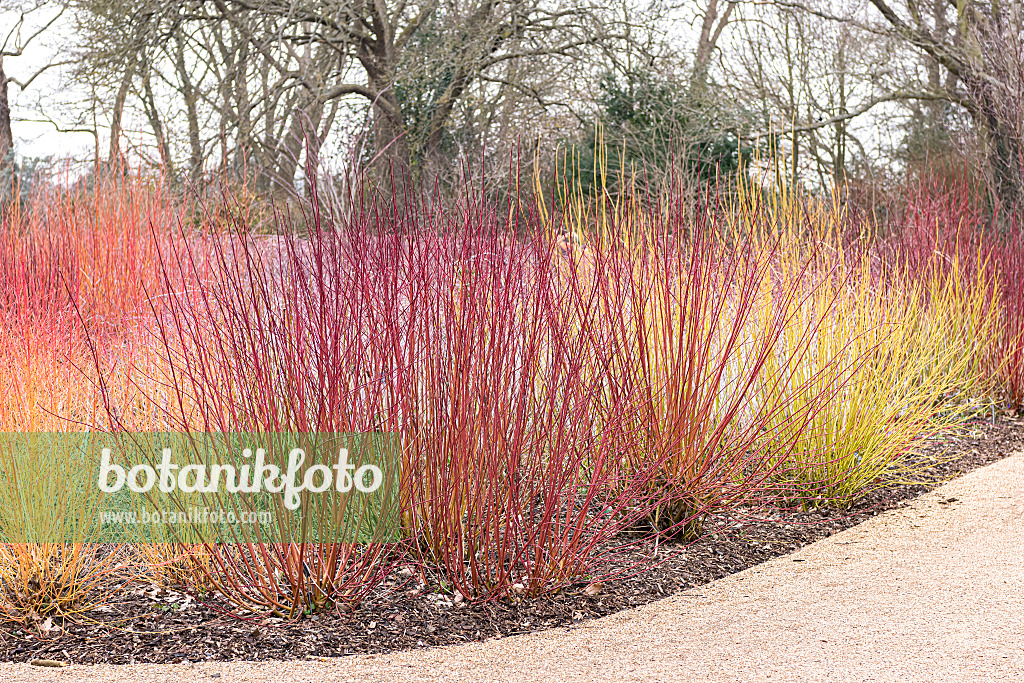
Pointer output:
x,y
1007,163
190,96
114,160
839,160
149,102
304,119
243,110
389,133
1005,154
6,136
710,31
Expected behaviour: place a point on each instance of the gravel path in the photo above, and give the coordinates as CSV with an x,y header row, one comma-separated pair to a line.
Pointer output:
x,y
930,592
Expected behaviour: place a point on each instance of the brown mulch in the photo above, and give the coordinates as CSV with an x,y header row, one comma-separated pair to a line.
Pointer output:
x,y
164,626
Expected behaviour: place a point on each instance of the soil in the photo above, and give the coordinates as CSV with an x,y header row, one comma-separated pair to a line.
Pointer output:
x,y
164,626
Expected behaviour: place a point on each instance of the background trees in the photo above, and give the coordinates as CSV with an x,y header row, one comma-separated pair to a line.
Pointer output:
x,y
823,93
251,84
28,22
954,66
973,54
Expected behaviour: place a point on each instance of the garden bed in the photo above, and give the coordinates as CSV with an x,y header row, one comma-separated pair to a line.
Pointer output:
x,y
156,625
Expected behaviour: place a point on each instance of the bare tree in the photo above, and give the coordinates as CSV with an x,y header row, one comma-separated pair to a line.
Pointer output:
x,y
712,25
18,38
809,78
258,84
414,62
968,48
